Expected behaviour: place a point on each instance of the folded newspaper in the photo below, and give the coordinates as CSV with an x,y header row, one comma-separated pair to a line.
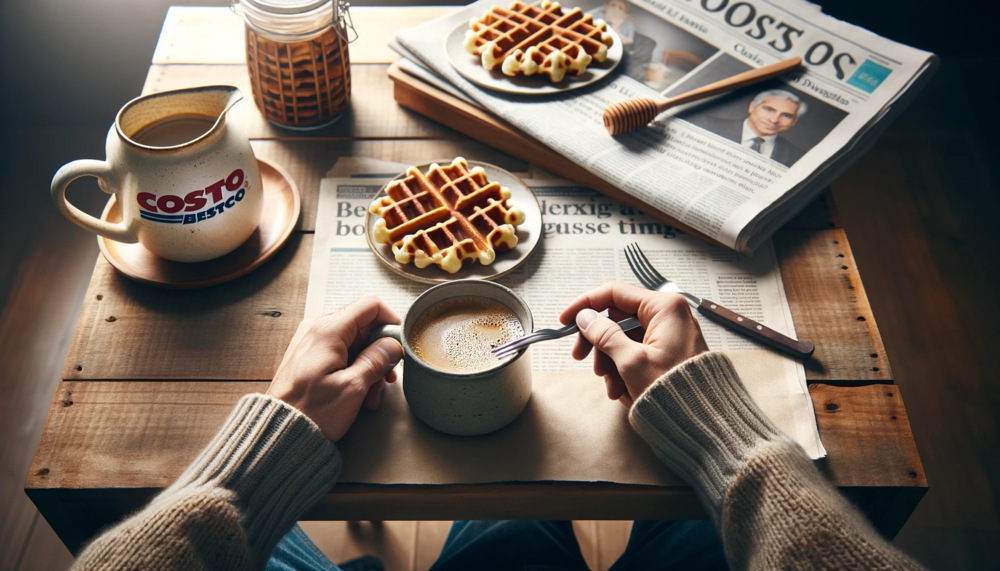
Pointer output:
x,y
731,169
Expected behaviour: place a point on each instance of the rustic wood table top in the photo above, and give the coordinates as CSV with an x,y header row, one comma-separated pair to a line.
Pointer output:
x,y
151,372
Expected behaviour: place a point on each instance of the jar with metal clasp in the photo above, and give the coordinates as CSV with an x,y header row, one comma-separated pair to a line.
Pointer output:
x,y
298,60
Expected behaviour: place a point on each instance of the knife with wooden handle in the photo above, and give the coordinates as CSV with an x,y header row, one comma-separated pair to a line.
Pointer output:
x,y
764,334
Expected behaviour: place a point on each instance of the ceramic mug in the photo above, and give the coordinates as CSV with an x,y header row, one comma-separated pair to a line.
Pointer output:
x,y
484,398
187,184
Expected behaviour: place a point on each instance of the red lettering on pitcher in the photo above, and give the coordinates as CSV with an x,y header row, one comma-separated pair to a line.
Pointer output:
x,y
196,199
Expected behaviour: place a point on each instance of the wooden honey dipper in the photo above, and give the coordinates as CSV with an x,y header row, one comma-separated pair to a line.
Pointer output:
x,y
631,114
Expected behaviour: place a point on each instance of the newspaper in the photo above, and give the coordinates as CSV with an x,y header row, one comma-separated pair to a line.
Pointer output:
x,y
694,164
581,247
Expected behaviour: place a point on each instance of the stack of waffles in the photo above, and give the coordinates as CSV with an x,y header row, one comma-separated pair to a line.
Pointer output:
x,y
538,39
449,216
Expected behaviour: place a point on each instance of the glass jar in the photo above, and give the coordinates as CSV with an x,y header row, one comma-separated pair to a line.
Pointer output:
x,y
297,59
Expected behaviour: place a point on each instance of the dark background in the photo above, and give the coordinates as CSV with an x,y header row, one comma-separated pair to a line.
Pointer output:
x,y
928,254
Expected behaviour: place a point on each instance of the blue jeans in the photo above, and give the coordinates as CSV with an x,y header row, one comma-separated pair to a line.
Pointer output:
x,y
551,546
537,546
296,552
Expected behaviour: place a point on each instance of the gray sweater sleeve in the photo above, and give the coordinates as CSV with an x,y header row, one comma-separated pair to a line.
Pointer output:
x,y
771,505
263,469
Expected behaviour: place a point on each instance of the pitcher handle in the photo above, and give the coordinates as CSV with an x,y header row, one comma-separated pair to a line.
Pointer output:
x,y
100,170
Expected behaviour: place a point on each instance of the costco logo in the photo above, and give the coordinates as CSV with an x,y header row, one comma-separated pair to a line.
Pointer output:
x,y
197,205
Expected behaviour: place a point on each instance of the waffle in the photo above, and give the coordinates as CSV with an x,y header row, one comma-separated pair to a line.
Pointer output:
x,y
537,38
449,216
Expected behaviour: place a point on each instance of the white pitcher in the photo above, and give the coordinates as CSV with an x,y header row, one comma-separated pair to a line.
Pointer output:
x,y
187,183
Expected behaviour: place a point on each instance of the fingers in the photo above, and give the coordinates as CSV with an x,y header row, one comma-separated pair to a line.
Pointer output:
x,y
375,361
357,318
605,336
373,399
624,297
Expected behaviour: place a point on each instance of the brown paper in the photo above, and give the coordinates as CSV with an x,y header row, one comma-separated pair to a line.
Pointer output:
x,y
570,431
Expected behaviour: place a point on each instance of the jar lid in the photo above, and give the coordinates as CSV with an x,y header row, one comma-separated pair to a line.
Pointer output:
x,y
286,6
290,18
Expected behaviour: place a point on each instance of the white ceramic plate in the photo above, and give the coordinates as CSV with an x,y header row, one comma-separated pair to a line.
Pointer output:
x,y
529,234
469,67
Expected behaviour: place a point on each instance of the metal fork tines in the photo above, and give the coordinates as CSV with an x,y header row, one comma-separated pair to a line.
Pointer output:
x,y
649,277
508,349
652,279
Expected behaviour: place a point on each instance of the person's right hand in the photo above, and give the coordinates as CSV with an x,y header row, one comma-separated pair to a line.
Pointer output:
x,y
672,335
330,369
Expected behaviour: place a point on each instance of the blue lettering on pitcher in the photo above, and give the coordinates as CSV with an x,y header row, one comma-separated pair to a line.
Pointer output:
x,y
215,210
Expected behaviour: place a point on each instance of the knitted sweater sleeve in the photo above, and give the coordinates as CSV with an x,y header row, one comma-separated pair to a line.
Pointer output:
x,y
230,507
773,508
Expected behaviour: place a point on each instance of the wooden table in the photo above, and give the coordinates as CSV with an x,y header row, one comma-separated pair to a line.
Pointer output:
x,y
151,373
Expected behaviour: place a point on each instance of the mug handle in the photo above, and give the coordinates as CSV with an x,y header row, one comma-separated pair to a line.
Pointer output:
x,y
100,170
386,330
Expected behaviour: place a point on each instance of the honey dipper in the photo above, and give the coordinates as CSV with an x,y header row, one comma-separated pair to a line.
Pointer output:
x,y
631,114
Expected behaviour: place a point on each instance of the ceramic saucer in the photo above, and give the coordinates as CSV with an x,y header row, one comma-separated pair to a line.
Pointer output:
x,y
280,213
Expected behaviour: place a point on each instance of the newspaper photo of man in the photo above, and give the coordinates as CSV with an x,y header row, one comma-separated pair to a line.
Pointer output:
x,y
769,114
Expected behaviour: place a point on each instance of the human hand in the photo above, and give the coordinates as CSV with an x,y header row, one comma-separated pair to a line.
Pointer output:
x,y
672,335
329,370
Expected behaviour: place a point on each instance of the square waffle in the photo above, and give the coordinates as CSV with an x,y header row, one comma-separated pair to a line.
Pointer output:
x,y
448,216
537,39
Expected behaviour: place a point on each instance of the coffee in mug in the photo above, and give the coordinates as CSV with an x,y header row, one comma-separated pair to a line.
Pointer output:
x,y
451,380
457,335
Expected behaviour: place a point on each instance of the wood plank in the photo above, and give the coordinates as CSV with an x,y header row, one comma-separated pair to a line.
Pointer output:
x,y
864,428
237,330
878,426
829,307
866,431
373,113
91,468
214,35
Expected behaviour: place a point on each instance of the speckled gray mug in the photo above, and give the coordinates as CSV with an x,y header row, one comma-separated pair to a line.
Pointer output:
x,y
464,403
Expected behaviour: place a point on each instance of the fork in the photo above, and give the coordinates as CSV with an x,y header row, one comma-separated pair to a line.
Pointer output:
x,y
508,349
652,279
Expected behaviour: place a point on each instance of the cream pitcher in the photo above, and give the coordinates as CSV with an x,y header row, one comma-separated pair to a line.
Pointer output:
x,y
187,184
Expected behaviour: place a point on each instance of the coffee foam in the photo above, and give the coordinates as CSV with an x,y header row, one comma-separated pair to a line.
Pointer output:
x,y
456,335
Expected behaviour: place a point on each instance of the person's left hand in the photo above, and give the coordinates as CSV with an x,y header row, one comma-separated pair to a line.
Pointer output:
x,y
329,371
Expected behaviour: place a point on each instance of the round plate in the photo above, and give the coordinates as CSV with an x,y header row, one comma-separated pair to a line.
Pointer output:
x,y
529,234
469,67
280,213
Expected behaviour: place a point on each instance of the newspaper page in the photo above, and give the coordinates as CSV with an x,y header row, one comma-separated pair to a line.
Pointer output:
x,y
698,163
584,234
